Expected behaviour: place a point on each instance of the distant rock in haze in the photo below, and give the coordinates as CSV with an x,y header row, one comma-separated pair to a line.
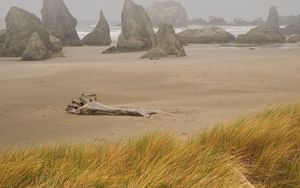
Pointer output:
x,y
288,20
273,18
100,36
217,21
168,11
206,35
20,25
2,35
269,32
258,21
59,22
2,39
242,22
168,44
293,29
137,30
198,21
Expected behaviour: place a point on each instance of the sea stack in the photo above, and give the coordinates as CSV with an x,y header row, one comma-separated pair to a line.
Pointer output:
x,y
137,30
59,22
206,35
168,44
100,36
20,25
273,18
269,32
168,11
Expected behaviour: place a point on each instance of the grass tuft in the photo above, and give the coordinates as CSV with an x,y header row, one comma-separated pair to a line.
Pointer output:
x,y
263,150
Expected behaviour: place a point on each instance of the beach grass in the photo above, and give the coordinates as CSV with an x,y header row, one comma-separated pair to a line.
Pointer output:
x,y
257,151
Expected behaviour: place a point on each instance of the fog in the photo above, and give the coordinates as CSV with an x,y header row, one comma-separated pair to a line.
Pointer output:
x,y
229,9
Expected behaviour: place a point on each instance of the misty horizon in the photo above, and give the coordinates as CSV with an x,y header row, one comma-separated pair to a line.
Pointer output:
x,y
246,9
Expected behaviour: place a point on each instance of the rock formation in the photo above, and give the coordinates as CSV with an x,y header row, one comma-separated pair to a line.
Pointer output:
x,y
20,26
35,49
137,30
269,32
168,11
167,44
59,22
207,35
100,36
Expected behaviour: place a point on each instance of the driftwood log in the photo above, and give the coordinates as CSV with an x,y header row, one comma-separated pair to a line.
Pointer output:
x,y
89,105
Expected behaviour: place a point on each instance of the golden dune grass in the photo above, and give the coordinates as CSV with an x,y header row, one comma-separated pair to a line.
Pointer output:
x,y
262,149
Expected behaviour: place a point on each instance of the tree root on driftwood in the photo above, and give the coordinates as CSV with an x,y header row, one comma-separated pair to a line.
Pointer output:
x,y
88,105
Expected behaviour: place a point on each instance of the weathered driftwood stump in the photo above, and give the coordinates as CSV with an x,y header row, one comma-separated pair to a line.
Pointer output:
x,y
88,105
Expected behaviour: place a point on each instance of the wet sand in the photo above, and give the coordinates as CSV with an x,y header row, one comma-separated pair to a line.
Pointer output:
x,y
211,85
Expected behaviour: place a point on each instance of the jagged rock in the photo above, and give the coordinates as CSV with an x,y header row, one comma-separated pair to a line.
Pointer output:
x,y
269,32
167,44
20,25
207,35
100,36
35,49
137,30
168,11
59,22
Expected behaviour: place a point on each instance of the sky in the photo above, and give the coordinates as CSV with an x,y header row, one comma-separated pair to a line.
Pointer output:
x,y
88,10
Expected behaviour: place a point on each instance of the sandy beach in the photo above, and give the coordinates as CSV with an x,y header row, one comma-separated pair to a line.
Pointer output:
x,y
211,85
